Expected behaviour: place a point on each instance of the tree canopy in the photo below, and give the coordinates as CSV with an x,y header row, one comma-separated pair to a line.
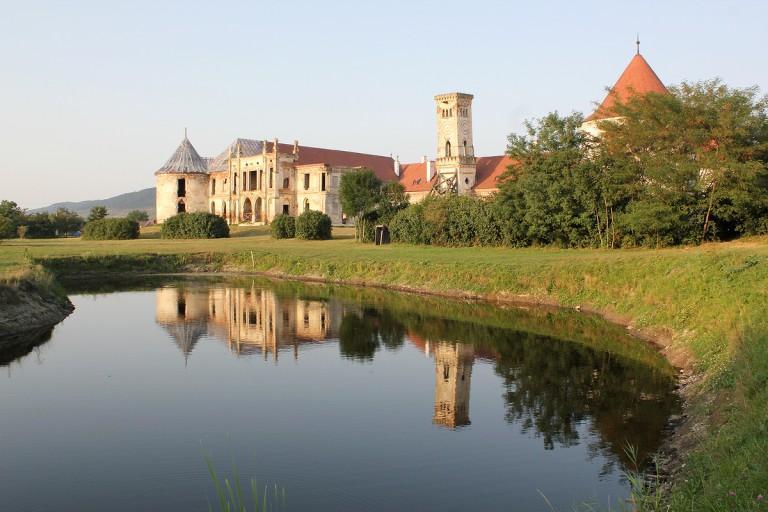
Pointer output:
x,y
97,213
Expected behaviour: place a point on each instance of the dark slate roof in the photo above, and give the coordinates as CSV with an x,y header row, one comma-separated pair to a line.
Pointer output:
x,y
247,147
184,160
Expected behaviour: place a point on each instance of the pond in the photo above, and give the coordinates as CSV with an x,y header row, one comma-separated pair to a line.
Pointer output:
x,y
344,398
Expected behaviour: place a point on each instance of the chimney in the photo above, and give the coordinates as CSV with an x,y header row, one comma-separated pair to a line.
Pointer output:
x,y
264,147
424,159
429,170
296,147
397,165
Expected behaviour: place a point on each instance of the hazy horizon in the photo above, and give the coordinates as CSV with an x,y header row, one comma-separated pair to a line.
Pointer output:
x,y
96,96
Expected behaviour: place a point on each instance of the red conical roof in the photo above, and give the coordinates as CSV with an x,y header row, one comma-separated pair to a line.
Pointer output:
x,y
637,78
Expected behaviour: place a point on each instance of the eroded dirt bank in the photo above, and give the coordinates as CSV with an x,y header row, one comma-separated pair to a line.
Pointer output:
x,y
27,306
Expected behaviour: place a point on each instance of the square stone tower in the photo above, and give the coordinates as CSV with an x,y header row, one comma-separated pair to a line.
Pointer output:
x,y
455,164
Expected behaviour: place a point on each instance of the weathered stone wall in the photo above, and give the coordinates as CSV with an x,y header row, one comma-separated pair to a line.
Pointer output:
x,y
195,200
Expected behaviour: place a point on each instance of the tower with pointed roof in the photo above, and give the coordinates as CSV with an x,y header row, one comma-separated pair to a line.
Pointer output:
x,y
455,164
182,183
638,78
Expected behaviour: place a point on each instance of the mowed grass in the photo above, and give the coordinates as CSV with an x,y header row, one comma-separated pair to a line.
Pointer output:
x,y
707,305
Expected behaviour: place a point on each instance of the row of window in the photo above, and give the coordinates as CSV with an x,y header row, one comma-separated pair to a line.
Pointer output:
x,y
448,112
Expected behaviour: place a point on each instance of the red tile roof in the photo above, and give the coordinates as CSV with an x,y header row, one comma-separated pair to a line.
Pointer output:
x,y
637,78
490,169
414,177
383,166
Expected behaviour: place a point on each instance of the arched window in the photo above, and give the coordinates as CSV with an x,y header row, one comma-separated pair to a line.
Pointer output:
x,y
465,148
448,149
181,207
213,208
306,205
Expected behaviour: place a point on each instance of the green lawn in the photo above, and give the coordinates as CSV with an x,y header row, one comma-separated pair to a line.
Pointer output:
x,y
707,305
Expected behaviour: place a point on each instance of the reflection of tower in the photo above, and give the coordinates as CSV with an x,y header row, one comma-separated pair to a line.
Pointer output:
x,y
184,315
453,374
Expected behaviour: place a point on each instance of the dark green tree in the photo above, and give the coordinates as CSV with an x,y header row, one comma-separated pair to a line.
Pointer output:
x,y
11,217
698,157
137,216
66,221
360,193
97,213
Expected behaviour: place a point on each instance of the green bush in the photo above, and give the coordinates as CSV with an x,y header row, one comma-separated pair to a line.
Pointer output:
x,y
283,226
111,229
407,226
313,225
195,225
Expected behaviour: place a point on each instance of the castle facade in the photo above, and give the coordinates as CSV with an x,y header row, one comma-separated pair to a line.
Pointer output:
x,y
251,181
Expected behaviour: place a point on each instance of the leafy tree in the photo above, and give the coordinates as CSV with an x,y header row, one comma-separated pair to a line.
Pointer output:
x,y
137,216
360,193
552,188
38,225
66,221
701,150
11,217
392,200
97,213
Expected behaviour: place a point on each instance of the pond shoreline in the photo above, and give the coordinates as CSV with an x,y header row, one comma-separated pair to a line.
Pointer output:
x,y
670,456
30,303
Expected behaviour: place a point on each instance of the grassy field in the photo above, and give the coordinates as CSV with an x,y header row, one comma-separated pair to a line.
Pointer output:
x,y
707,306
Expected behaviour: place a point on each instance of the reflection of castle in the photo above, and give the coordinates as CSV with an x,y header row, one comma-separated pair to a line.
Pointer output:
x,y
249,320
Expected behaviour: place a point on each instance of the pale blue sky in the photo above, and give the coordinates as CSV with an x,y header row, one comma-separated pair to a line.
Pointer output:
x,y
94,96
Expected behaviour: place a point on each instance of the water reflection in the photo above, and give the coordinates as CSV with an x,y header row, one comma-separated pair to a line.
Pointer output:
x,y
551,387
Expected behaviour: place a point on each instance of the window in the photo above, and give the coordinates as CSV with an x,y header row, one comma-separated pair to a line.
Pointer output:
x,y
306,205
306,181
286,182
244,180
181,207
234,184
322,182
271,178
448,149
213,208
261,179
213,186
181,187
253,178
285,209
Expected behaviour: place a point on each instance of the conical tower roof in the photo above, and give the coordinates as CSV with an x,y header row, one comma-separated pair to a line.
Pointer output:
x,y
184,160
637,78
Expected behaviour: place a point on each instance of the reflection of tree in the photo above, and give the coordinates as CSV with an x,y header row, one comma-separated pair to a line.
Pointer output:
x,y
357,337
362,332
552,386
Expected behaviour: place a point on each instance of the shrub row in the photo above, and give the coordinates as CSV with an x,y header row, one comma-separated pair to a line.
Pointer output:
x,y
310,225
455,221
195,225
111,229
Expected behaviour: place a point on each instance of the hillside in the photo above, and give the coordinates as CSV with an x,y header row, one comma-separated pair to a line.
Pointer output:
x,y
117,205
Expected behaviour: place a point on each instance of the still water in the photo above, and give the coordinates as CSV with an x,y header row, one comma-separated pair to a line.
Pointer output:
x,y
348,399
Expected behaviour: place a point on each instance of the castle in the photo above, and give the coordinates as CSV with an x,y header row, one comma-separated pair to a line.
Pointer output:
x,y
252,181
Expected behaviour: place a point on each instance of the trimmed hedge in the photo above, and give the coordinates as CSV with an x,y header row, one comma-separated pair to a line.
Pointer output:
x,y
283,226
195,225
313,225
111,229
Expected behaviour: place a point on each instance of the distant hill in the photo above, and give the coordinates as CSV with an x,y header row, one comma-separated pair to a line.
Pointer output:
x,y
117,206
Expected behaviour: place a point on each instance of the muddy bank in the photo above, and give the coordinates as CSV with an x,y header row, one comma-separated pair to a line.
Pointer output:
x,y
27,307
